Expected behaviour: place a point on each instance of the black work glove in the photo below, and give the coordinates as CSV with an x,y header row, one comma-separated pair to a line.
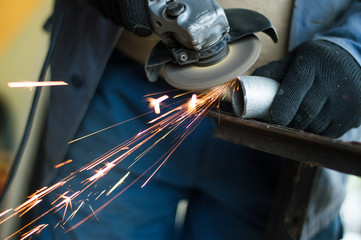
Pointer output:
x,y
320,89
131,14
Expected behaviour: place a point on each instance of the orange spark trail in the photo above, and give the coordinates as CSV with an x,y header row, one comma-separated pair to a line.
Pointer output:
x,y
118,183
94,214
63,163
74,213
28,84
107,128
5,212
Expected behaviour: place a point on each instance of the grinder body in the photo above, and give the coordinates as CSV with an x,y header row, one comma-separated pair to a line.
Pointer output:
x,y
199,39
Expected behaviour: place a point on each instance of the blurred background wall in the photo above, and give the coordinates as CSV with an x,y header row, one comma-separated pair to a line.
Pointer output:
x,y
23,45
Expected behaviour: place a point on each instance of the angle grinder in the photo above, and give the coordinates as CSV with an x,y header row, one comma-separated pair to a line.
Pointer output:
x,y
202,45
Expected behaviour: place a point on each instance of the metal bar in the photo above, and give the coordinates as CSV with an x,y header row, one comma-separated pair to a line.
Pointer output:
x,y
291,144
291,202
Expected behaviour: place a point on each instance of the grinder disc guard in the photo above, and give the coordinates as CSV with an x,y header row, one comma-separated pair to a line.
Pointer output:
x,y
243,53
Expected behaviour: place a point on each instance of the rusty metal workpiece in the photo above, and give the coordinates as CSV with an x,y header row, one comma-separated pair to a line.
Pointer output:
x,y
297,177
289,143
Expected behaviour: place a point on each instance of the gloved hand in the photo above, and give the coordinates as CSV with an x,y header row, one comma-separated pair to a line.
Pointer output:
x,y
320,89
131,14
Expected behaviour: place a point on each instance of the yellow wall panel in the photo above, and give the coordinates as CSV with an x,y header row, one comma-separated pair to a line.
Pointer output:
x,y
23,46
14,15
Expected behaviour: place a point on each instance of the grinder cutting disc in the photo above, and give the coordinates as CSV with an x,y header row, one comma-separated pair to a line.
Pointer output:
x,y
242,55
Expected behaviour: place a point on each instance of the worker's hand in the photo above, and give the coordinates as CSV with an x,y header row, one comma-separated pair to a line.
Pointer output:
x,y
320,89
131,14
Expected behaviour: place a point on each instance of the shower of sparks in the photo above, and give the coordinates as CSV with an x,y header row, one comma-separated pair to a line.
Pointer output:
x,y
183,117
155,103
34,231
28,84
